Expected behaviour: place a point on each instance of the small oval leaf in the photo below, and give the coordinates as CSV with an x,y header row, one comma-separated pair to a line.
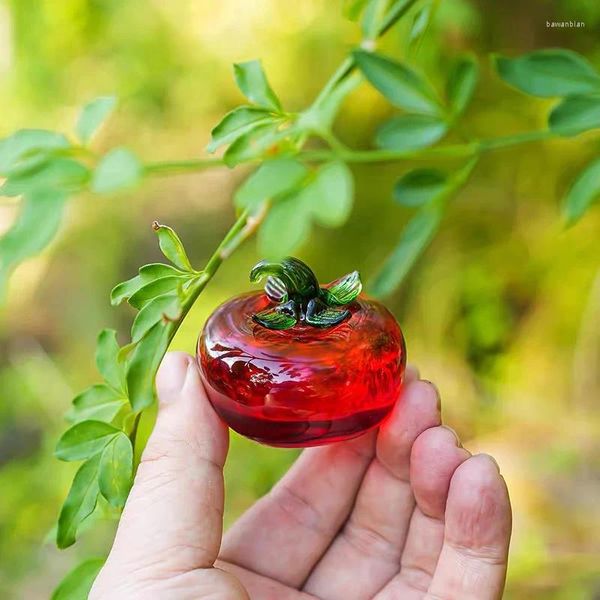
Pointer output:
x,y
420,186
410,132
583,193
402,86
84,440
117,170
252,81
575,115
116,470
92,115
549,72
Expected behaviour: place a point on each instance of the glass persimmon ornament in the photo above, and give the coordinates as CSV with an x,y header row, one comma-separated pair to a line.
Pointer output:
x,y
300,364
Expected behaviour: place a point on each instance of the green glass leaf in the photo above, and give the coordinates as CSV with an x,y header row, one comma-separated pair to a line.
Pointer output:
x,y
84,440
575,115
275,318
402,86
262,140
252,81
35,227
143,364
461,84
410,132
584,192
160,309
272,179
59,174
420,186
415,238
236,123
117,170
80,502
97,403
172,247
330,194
549,72
342,291
147,273
92,115
318,314
107,361
116,470
23,144
157,287
78,583
285,228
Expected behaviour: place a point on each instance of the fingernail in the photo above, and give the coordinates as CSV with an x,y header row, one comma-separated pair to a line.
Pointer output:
x,y
491,458
458,442
171,376
437,393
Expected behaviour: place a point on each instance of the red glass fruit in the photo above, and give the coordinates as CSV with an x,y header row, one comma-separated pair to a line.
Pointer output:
x,y
301,365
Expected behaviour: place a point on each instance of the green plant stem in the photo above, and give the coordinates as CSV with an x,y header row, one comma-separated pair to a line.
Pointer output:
x,y
241,230
176,167
340,151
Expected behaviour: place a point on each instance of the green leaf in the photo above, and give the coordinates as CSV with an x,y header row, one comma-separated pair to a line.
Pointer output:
x,y
402,86
416,236
84,440
236,123
575,115
252,81
352,9
147,273
327,316
78,583
80,502
59,174
97,403
420,23
143,364
162,308
462,83
92,115
107,361
261,140
420,186
549,72
330,194
410,132
583,193
157,287
24,144
373,17
172,247
285,227
343,290
116,470
271,180
35,227
117,170
397,10
275,318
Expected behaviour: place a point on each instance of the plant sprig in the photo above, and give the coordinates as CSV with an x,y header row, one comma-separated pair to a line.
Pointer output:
x,y
297,184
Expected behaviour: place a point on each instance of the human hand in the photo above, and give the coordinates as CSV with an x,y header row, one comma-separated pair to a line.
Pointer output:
x,y
403,512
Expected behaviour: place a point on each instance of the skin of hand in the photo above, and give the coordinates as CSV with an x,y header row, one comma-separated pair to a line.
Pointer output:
x,y
403,512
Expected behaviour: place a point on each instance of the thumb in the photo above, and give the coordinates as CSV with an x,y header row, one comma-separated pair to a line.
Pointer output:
x,y
173,519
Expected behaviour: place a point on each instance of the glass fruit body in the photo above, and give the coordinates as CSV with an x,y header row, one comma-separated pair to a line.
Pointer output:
x,y
303,385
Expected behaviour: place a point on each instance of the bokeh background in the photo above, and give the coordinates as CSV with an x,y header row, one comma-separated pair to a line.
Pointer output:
x,y
502,312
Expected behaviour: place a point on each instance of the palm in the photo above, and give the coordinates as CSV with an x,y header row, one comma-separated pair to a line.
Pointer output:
x,y
368,518
400,513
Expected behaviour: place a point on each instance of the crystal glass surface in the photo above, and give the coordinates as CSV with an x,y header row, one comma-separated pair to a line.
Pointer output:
x,y
303,386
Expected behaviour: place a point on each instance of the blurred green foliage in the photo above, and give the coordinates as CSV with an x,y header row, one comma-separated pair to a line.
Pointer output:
x,y
503,312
